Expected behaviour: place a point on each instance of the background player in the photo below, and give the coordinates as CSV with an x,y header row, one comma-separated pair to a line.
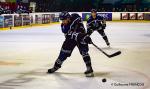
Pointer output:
x,y
97,23
75,35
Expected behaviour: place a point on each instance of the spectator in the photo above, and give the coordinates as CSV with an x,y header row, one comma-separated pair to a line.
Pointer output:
x,y
7,10
1,10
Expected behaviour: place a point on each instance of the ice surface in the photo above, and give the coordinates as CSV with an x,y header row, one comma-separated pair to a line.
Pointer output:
x,y
25,56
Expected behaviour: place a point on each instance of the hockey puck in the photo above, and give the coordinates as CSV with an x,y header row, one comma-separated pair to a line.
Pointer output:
x,y
104,80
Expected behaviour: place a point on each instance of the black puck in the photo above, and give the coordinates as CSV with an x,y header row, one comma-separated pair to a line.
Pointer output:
x,y
104,80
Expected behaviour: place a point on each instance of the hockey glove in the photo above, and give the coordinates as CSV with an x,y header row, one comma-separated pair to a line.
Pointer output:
x,y
83,38
87,39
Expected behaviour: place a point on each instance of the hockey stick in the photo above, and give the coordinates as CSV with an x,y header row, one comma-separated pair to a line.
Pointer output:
x,y
111,55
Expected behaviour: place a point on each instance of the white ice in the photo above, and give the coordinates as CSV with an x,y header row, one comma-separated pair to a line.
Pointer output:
x,y
26,54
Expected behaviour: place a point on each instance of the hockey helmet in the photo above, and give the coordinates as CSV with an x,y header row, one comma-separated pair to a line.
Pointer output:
x,y
64,15
93,10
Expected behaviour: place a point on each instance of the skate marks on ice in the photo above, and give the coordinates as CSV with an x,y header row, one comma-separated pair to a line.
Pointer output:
x,y
70,79
147,35
130,79
80,74
9,63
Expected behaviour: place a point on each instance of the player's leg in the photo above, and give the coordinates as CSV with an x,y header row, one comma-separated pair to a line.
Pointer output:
x,y
102,33
83,48
65,52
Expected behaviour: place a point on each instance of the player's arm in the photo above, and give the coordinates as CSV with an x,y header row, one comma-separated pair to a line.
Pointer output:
x,y
80,37
89,24
89,27
63,29
84,39
80,26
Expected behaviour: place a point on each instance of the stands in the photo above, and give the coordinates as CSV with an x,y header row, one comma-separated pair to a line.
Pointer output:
x,y
86,5
77,6
12,7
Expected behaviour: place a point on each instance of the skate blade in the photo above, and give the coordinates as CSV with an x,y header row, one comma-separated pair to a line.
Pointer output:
x,y
90,75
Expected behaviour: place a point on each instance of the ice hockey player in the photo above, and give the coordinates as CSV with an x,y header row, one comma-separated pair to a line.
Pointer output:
x,y
75,35
97,23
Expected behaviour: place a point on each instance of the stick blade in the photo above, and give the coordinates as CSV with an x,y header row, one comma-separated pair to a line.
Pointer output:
x,y
115,54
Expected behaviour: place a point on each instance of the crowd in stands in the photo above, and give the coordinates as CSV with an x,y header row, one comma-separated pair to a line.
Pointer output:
x,y
11,8
124,9
76,6
86,5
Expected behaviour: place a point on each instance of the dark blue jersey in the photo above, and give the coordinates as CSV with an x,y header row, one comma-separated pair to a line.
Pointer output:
x,y
95,23
75,25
